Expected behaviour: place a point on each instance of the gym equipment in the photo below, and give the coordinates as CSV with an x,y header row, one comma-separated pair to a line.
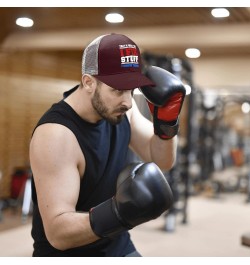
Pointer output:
x,y
204,154
20,193
27,201
245,239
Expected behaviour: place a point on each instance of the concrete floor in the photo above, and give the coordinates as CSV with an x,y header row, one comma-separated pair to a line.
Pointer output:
x,y
214,229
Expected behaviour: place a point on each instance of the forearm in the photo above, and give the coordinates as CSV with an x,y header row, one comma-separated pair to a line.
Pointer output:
x,y
69,230
163,152
165,101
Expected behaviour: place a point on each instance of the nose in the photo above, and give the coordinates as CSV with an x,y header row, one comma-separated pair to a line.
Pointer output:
x,y
127,99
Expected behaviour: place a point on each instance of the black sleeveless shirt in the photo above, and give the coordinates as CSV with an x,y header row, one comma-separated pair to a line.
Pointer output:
x,y
105,148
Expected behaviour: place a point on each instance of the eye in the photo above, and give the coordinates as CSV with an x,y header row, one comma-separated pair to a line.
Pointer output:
x,y
116,91
121,92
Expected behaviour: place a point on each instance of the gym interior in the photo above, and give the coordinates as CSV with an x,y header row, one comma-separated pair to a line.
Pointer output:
x,y
211,178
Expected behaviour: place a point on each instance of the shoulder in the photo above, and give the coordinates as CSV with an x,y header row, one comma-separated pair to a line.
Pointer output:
x,y
53,139
52,131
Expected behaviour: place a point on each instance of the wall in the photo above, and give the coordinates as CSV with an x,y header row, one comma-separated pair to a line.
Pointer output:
x,y
31,81
29,84
218,72
226,76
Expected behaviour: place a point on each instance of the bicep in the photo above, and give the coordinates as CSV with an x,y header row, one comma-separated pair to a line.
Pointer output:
x,y
54,166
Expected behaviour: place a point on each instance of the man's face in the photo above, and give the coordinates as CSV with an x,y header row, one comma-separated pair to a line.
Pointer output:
x,y
111,104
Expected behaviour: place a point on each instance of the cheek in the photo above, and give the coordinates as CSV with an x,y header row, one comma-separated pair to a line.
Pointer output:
x,y
104,99
111,101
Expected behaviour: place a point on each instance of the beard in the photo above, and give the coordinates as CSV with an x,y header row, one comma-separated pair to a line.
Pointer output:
x,y
104,112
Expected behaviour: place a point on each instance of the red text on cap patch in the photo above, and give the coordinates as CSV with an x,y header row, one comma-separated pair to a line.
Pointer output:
x,y
129,55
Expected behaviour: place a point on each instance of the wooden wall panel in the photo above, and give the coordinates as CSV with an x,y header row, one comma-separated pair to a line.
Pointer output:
x,y
25,94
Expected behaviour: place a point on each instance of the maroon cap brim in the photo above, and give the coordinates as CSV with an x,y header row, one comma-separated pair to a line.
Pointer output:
x,y
125,81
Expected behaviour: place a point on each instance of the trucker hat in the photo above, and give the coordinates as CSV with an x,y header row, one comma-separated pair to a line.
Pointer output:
x,y
115,60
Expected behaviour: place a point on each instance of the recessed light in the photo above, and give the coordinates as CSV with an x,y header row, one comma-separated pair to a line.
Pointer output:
x,y
220,12
114,18
245,107
192,53
24,22
188,89
137,92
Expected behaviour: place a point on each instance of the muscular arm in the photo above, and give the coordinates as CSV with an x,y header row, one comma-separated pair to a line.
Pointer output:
x,y
148,145
57,164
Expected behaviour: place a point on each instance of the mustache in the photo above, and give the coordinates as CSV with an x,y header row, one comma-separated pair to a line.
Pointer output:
x,y
122,109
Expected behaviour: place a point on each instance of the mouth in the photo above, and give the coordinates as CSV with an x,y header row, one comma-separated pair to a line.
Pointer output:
x,y
123,109
119,114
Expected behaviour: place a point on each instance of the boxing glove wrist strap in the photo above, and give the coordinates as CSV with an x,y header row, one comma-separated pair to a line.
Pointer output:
x,y
165,130
104,220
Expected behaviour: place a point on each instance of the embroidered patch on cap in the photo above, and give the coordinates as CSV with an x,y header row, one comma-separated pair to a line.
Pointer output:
x,y
129,55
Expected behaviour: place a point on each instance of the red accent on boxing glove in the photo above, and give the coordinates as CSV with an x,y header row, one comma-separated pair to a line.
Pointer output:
x,y
171,110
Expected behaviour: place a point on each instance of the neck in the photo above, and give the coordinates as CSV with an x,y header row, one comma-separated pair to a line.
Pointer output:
x,y
80,101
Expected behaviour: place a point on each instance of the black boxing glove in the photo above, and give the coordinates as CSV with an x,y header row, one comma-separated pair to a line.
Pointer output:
x,y
142,194
165,100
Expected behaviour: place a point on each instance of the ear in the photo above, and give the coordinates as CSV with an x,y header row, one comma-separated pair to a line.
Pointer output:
x,y
89,83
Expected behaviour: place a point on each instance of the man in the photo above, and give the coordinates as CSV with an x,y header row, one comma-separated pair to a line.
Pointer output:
x,y
85,198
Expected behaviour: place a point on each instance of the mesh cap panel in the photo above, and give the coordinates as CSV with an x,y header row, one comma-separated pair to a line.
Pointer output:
x,y
90,57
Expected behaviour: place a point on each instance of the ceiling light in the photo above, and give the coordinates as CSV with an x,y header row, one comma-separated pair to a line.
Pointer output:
x,y
245,107
114,18
192,53
24,22
188,89
137,92
220,12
